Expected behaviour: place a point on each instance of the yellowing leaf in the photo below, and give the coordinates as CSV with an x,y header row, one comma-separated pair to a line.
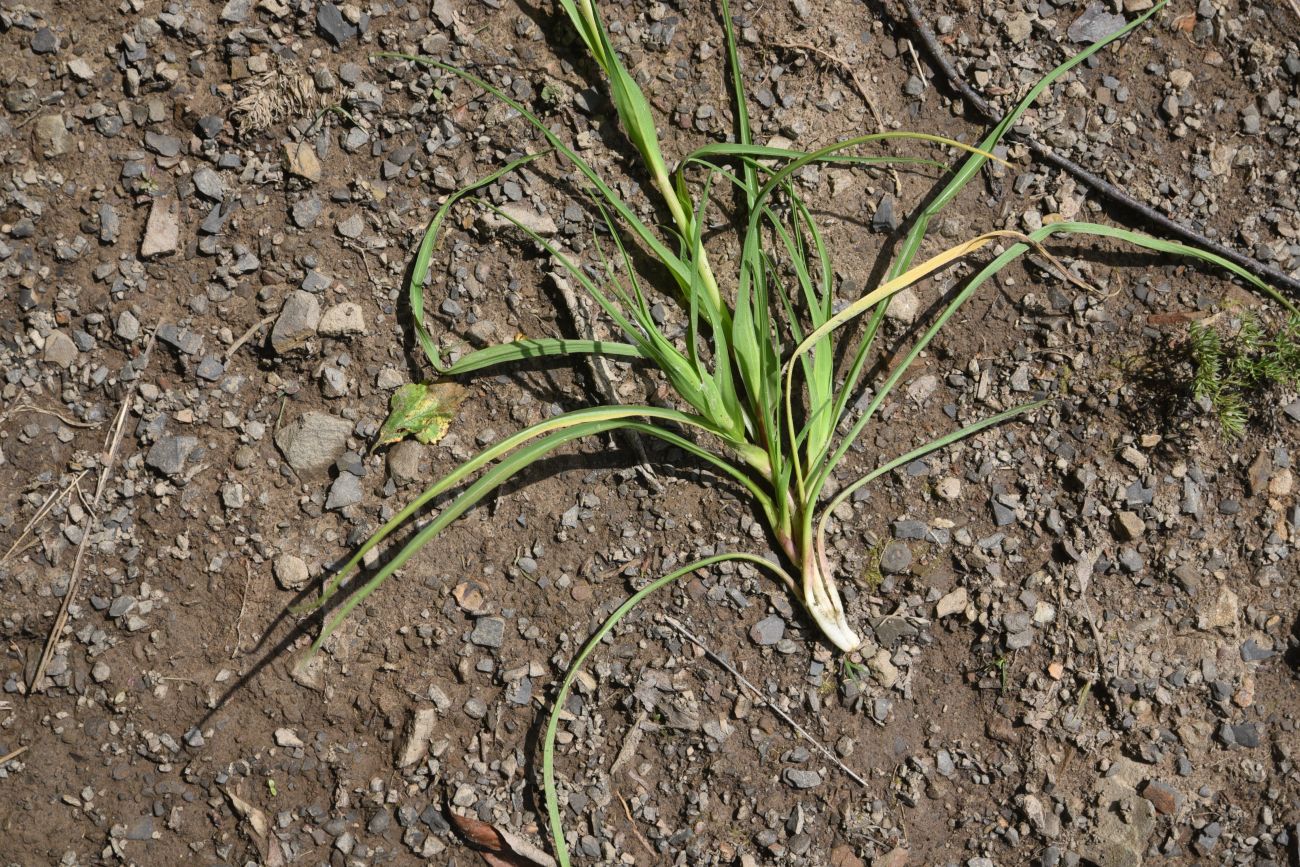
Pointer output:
x,y
422,410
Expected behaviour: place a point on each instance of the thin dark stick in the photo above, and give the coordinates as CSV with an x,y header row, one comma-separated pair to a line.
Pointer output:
x,y
1106,190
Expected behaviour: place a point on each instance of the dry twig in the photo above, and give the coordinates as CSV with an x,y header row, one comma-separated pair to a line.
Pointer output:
x,y
49,503
785,717
248,335
112,444
70,422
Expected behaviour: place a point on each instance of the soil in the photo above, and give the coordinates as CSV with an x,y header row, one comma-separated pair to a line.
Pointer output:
x,y
1118,685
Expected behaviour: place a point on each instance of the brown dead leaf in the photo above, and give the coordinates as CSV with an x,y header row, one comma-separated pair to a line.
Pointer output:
x,y
256,818
260,826
1185,22
498,848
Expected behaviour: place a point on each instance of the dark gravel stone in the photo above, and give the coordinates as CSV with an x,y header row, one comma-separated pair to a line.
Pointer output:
x,y
379,822
884,219
896,558
45,41
163,145
334,26
168,455
768,631
1252,652
488,632
1208,839
1095,23
346,491
802,778
1246,735
141,829
1002,515
306,212
210,125
209,184
909,529
210,368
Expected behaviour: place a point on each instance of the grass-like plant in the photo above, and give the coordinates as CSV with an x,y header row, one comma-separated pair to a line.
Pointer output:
x,y
1230,372
766,373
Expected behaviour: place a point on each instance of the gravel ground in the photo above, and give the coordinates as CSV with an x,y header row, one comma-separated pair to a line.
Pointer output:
x,y
1082,635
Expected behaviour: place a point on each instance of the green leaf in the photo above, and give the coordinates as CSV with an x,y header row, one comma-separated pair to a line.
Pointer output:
x,y
423,410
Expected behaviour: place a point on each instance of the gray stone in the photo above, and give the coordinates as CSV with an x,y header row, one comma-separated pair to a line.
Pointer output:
x,y
291,572
1095,23
208,182
488,632
121,606
1003,515
210,368
210,125
236,11
168,455
768,631
182,339
141,829
1252,651
314,442
1208,839
910,529
109,224
297,322
1246,735
333,26
896,558
346,491
162,231
306,212
352,227
45,41
903,306
802,778
445,12
162,144
884,219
